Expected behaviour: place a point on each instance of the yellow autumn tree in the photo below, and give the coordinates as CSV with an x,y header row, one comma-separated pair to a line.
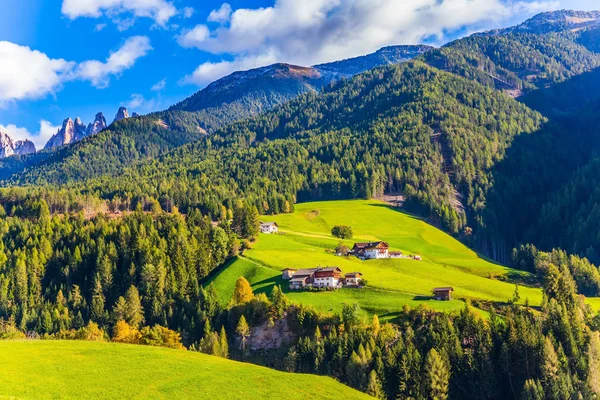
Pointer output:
x,y
243,291
125,333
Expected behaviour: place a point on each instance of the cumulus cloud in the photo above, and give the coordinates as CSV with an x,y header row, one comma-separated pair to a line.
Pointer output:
x,y
39,138
31,74
161,11
308,32
27,73
99,73
221,15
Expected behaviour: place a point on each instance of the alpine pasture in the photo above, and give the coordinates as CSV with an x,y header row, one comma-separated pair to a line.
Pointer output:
x,y
51,369
305,241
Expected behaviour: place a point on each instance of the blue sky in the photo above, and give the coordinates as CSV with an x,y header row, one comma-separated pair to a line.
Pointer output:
x,y
73,58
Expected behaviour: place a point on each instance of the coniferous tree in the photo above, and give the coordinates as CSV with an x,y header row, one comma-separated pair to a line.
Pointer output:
x,y
436,376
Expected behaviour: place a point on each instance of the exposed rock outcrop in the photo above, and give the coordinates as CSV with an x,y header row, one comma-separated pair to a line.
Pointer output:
x,y
98,125
73,131
121,114
265,337
8,147
23,147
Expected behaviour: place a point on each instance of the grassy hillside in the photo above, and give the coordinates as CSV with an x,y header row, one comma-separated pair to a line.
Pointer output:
x,y
59,369
307,243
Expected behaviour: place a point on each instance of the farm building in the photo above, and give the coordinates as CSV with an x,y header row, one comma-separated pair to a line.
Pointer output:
x,y
353,278
302,278
321,277
327,277
269,227
371,250
443,293
288,273
395,254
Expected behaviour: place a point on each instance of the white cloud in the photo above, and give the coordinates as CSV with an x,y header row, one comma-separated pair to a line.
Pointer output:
x,y
190,38
157,87
31,74
99,73
39,138
161,11
309,32
209,72
188,12
99,27
135,102
138,103
221,15
27,73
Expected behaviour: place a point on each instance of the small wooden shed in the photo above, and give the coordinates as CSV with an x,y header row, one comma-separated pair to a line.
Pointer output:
x,y
443,293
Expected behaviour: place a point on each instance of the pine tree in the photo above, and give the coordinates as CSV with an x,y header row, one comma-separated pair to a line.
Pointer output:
x,y
437,376
375,325
594,363
243,330
135,313
374,388
120,309
223,344
532,390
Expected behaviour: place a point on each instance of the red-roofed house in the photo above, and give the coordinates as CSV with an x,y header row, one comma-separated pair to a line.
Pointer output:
x,y
371,250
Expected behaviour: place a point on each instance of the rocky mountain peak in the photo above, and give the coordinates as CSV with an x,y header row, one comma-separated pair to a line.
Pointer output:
x,y
553,21
121,114
23,147
6,145
74,131
9,148
98,125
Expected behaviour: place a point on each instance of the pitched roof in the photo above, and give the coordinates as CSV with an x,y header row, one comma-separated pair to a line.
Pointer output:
x,y
328,269
443,289
290,269
269,223
305,272
369,245
353,273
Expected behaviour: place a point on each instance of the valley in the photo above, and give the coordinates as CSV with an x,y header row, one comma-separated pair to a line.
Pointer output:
x,y
236,244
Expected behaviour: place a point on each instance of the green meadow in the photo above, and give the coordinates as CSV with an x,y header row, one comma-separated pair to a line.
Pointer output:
x,y
41,369
306,242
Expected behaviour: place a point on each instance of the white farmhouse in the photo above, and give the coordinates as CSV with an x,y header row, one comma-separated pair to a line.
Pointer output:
x,y
269,227
371,250
327,277
353,278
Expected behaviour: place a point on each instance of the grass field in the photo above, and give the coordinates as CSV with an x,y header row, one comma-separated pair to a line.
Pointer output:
x,y
306,242
89,370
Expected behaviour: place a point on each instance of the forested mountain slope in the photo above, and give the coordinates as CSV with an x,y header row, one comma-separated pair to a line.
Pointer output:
x,y
123,143
232,98
545,190
408,128
440,140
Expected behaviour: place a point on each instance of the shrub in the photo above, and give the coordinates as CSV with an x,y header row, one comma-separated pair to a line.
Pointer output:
x,y
342,231
161,337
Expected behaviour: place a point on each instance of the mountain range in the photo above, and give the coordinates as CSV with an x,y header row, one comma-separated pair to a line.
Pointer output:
x,y
70,132
461,132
